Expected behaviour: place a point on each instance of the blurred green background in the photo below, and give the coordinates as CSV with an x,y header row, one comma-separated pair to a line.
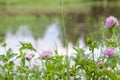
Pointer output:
x,y
82,17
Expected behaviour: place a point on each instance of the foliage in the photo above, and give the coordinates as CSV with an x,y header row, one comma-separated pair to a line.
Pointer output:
x,y
78,66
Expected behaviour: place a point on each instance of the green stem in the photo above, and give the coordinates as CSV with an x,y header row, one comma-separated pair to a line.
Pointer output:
x,y
66,42
93,55
93,76
67,63
8,75
63,21
51,76
115,38
102,40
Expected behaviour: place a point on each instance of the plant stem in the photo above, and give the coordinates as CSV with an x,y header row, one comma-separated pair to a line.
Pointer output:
x,y
67,62
93,55
65,39
114,37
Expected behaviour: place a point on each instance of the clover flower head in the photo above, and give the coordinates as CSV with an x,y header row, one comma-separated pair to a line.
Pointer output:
x,y
46,54
111,21
109,52
101,63
29,56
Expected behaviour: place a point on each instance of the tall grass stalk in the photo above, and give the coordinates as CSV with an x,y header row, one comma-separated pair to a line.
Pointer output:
x,y
67,63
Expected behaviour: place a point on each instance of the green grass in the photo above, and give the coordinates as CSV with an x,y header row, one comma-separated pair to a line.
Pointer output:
x,y
21,6
48,8
31,2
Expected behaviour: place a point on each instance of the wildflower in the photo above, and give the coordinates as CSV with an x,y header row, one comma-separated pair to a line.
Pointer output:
x,y
109,52
46,54
111,21
29,56
101,63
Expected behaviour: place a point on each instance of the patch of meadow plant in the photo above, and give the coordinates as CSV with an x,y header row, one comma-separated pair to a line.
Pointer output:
x,y
48,65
